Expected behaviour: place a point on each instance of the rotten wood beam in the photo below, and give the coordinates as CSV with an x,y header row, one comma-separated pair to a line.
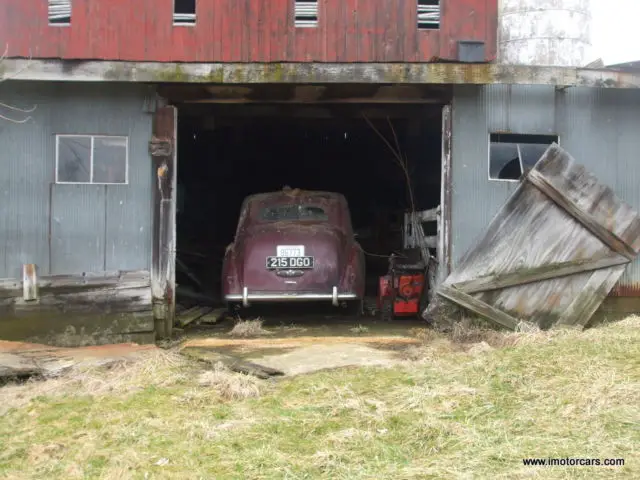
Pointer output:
x,y
313,73
537,274
191,315
232,363
478,307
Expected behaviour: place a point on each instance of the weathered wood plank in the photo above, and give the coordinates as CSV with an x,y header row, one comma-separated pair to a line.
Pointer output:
x,y
191,315
232,363
538,230
588,221
163,281
589,300
11,287
86,309
443,249
537,274
479,307
29,282
317,73
52,327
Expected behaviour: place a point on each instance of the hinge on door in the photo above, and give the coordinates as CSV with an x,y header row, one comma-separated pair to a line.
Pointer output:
x,y
160,147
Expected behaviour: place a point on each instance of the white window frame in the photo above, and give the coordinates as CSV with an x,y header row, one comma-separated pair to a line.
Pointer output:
x,y
315,23
92,137
185,24
519,155
67,24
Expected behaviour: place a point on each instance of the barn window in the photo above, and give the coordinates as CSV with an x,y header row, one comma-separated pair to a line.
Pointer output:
x,y
511,155
306,13
60,12
95,159
184,12
428,14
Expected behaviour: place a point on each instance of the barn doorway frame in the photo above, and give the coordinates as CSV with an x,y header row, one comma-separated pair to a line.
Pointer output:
x,y
163,148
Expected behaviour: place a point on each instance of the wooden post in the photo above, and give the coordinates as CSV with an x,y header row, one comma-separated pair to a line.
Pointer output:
x,y
444,219
29,282
163,153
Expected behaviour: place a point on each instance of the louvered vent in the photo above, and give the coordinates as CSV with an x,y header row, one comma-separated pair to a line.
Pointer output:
x,y
306,13
184,12
428,14
59,12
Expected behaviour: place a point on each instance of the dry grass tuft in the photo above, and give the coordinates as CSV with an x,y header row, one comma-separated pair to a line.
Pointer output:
x,y
229,385
249,328
359,329
158,368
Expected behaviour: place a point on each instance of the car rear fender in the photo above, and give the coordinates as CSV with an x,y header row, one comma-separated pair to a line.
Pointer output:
x,y
352,280
231,281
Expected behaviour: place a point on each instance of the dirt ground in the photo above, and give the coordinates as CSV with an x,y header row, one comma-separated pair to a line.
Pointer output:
x,y
293,345
308,343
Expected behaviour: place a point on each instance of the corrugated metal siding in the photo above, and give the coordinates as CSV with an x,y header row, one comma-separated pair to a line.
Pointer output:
x,y
92,227
599,127
255,31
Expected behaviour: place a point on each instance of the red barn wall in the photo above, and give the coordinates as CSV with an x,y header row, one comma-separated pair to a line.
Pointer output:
x,y
246,31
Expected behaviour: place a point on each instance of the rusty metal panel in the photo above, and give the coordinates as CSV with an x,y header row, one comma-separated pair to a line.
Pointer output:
x,y
601,127
33,208
598,126
256,31
24,189
78,229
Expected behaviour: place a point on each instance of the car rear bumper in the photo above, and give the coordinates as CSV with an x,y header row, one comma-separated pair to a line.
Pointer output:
x,y
247,298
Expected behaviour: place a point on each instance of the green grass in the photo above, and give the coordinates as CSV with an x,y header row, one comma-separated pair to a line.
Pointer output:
x,y
447,413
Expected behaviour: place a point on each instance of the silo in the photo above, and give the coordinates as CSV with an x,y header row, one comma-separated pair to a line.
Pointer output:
x,y
544,32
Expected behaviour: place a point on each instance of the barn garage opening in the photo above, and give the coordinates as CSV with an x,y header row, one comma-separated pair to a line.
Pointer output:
x,y
256,141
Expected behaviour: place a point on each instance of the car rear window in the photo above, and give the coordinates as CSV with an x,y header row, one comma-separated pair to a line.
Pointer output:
x,y
293,212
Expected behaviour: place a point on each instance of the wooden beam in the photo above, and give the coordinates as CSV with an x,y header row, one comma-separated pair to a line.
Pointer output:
x,y
444,220
531,275
478,307
314,73
587,220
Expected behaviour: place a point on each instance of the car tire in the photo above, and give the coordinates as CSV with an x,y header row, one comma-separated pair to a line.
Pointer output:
x,y
354,308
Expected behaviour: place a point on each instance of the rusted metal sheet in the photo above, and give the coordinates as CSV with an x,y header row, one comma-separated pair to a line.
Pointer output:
x,y
552,253
255,31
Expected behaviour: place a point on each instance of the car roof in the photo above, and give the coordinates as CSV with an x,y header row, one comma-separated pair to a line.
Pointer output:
x,y
291,193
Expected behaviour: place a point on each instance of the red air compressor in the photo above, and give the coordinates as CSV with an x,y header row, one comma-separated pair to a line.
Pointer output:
x,y
402,291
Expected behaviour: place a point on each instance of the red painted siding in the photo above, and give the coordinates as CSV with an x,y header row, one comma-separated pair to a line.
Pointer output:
x,y
246,31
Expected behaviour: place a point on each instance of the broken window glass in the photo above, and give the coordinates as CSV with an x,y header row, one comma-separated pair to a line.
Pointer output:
x,y
511,155
74,159
91,159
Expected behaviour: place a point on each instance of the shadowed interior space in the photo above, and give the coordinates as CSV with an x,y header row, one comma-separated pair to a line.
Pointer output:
x,y
228,151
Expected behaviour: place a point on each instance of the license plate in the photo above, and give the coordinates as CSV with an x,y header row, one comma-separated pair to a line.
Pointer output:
x,y
290,251
289,262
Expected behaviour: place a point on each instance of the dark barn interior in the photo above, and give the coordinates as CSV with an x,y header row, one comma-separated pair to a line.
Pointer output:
x,y
229,150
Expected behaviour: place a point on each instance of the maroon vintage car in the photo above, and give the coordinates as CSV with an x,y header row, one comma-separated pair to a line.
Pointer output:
x,y
294,245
